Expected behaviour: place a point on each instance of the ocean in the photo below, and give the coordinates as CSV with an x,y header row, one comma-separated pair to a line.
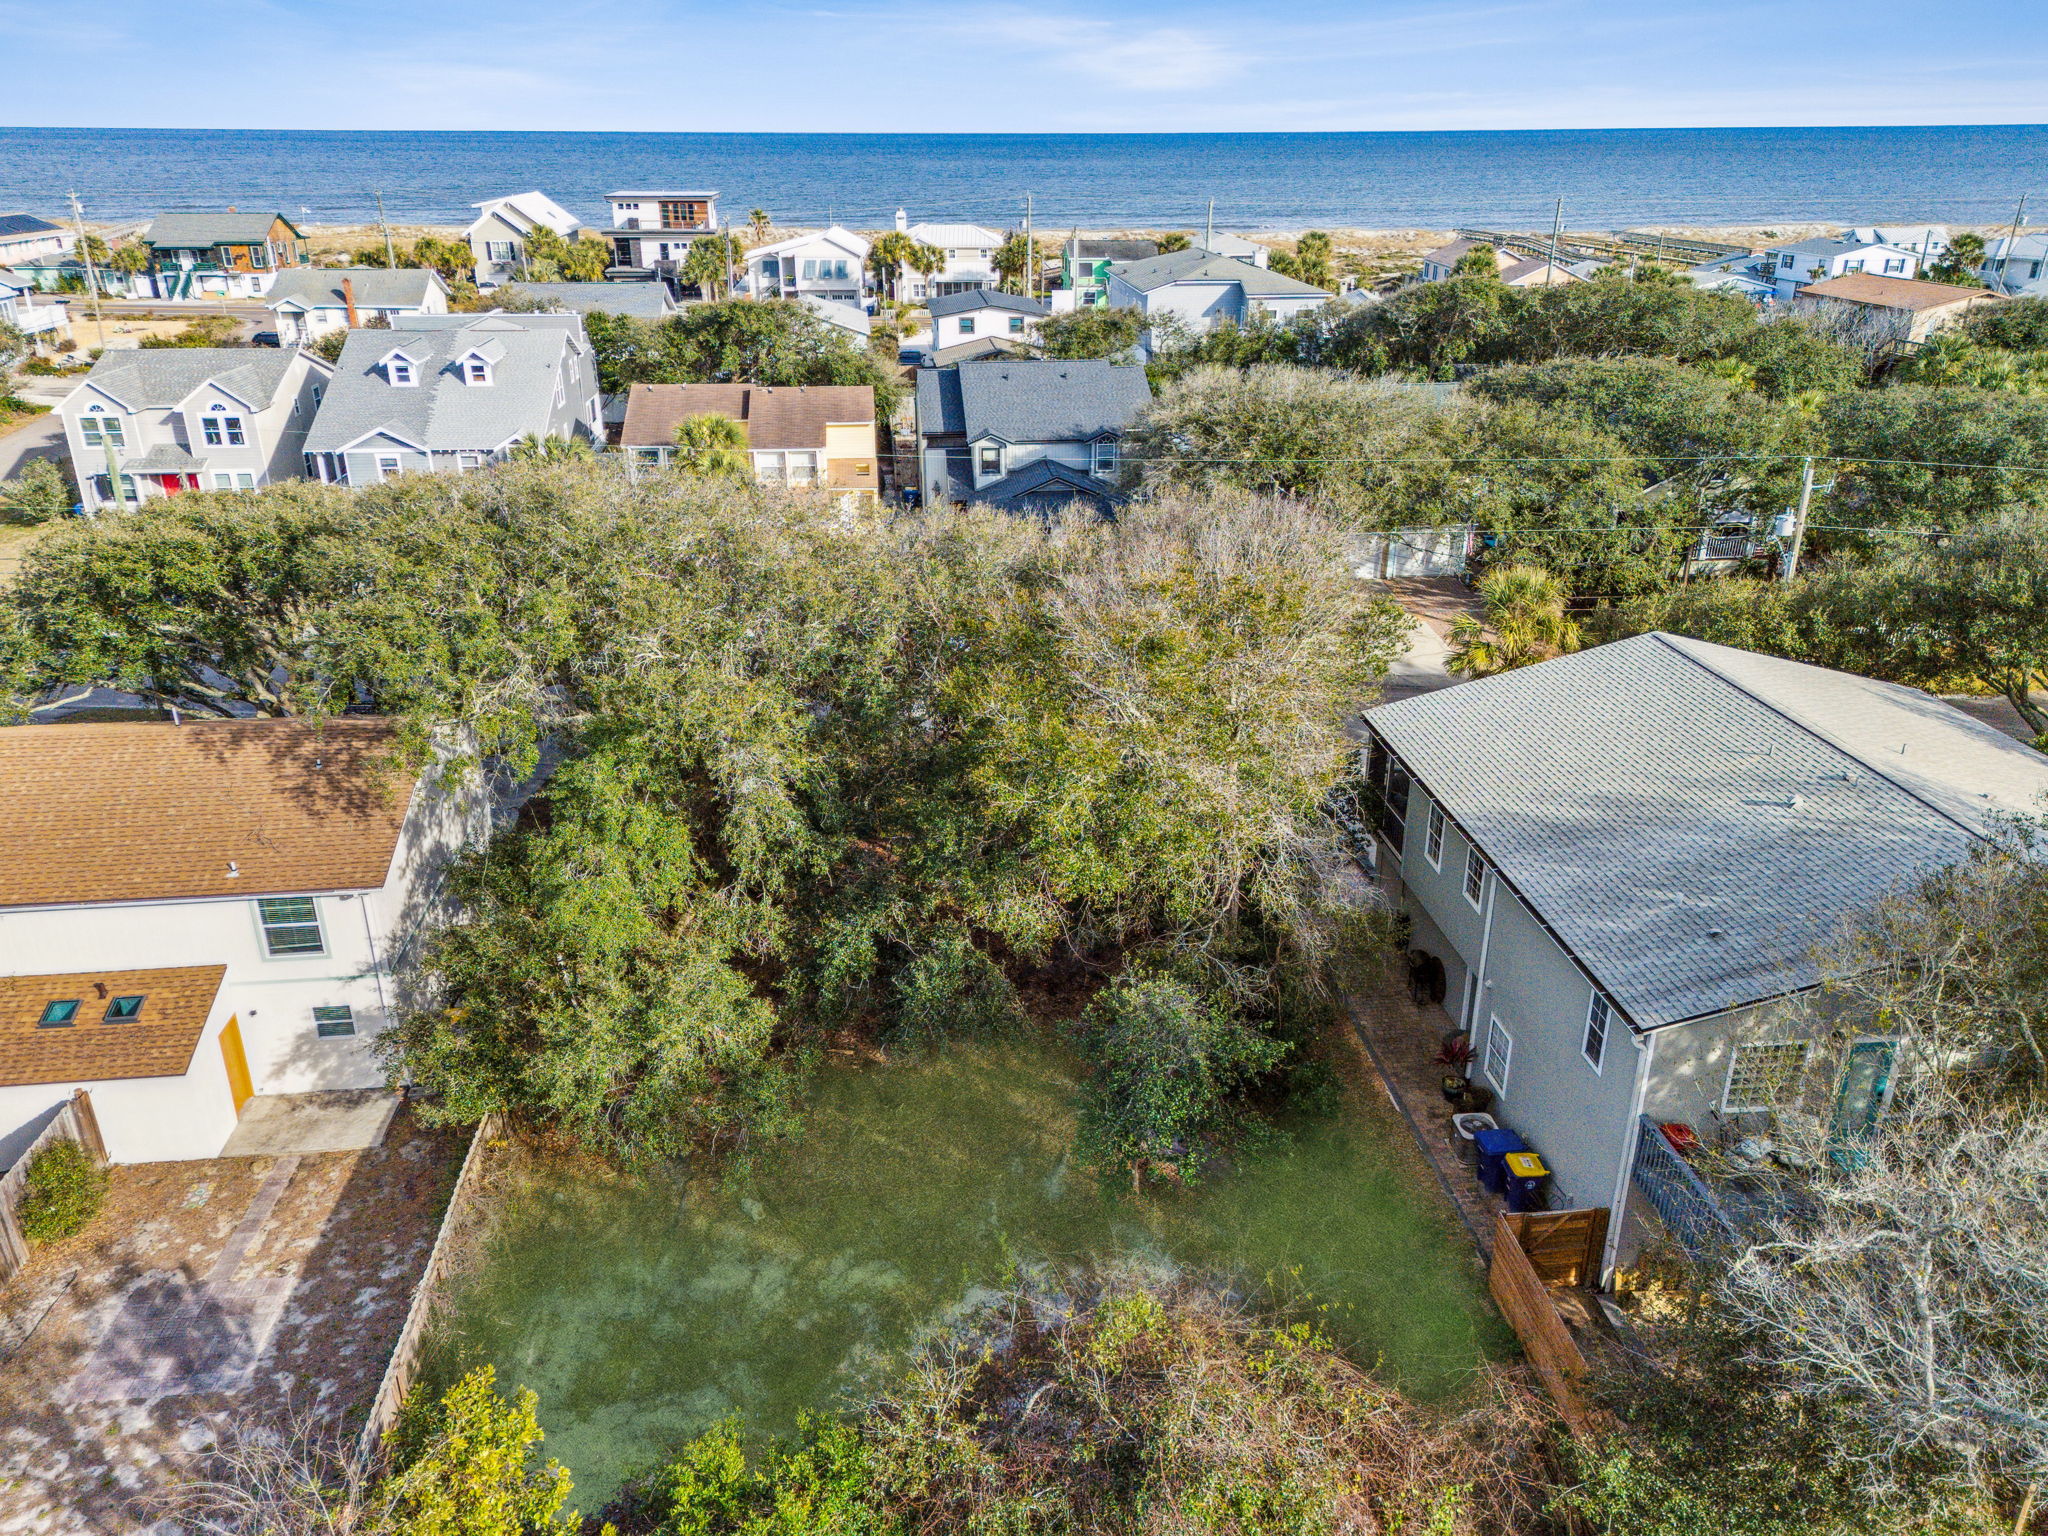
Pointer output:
x,y
1607,178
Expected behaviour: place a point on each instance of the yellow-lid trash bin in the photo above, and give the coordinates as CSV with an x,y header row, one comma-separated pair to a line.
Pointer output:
x,y
1525,1165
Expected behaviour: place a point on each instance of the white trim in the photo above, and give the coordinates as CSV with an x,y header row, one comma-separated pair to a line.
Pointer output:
x,y
1474,859
1597,1003
1507,1063
383,431
1433,834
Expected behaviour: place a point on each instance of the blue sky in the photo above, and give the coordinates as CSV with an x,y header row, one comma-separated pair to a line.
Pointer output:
x,y
1063,65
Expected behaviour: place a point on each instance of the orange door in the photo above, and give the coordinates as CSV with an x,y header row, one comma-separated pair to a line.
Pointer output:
x,y
237,1060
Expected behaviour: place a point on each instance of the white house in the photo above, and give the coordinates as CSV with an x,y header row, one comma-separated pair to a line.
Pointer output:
x,y
1791,267
970,252
450,393
45,325
498,236
195,914
1220,242
1927,241
978,313
1026,433
311,301
172,419
2016,266
1201,291
652,232
830,265
26,239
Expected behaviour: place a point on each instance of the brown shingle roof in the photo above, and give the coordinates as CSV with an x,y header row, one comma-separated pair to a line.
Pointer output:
x,y
157,1042
1892,292
777,416
134,812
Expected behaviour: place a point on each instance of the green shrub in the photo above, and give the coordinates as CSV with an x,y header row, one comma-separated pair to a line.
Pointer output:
x,y
64,1190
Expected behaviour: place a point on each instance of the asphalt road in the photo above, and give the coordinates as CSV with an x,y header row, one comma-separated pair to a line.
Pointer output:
x,y
40,437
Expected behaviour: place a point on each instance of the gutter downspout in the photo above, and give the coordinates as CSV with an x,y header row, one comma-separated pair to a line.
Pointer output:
x,y
376,963
1646,1055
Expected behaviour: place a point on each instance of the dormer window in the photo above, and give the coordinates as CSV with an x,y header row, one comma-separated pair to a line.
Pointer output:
x,y
399,371
475,370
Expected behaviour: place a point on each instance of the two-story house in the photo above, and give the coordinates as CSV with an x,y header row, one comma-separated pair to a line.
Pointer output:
x,y
194,914
449,393
1085,264
165,420
1199,292
497,236
1626,861
311,301
1792,266
797,434
1026,434
979,314
45,325
831,265
970,257
652,232
2016,265
219,255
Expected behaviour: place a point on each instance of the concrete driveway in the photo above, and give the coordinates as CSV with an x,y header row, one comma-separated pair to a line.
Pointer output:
x,y
40,437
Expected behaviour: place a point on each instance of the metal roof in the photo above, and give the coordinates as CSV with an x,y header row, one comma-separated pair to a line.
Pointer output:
x,y
1692,820
1193,266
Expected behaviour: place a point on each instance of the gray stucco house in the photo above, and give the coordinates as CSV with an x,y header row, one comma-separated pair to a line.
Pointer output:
x,y
449,393
1626,859
1028,434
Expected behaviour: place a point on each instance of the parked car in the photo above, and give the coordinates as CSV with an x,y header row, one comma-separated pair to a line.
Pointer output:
x,y
913,357
265,339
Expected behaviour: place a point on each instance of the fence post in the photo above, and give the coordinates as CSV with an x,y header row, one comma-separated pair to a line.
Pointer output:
x,y
87,1125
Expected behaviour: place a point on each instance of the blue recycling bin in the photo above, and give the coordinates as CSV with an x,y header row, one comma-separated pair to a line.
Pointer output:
x,y
1494,1146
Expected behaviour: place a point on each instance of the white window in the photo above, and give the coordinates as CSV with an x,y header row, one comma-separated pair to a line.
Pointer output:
x,y
334,1022
477,371
223,482
1763,1076
1433,844
1102,459
103,430
1016,325
990,461
469,461
245,480
316,394
219,429
1500,1052
1475,876
387,465
291,926
967,325
1598,1012
398,371
497,250
1895,264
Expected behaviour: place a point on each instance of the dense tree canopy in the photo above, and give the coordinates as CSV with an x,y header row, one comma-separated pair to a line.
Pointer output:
x,y
755,341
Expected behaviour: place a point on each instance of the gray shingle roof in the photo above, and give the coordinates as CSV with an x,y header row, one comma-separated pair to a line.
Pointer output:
x,y
374,287
187,231
1200,267
162,376
1031,400
985,298
647,301
443,413
1116,250
1645,794
1044,484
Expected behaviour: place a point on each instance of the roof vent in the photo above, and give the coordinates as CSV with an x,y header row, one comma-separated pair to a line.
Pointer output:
x,y
234,871
1717,933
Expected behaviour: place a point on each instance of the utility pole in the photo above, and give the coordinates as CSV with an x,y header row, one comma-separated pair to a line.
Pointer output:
x,y
2019,217
1799,519
1556,229
1030,251
390,254
92,275
1209,240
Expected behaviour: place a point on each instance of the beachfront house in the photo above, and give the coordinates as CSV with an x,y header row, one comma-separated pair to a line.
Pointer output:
x,y
1199,292
1085,264
497,236
2017,265
165,420
26,240
830,265
651,232
1026,434
1220,242
444,394
219,255
969,252
47,326
797,435
199,913
1902,310
1625,860
311,301
1792,266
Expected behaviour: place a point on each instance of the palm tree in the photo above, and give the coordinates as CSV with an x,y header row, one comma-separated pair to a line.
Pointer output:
x,y
1016,261
762,224
1525,623
892,251
535,449
710,262
1173,240
711,444
927,260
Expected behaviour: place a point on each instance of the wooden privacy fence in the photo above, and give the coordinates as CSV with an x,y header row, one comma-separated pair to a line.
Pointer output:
x,y
1564,1247
426,1295
74,1121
